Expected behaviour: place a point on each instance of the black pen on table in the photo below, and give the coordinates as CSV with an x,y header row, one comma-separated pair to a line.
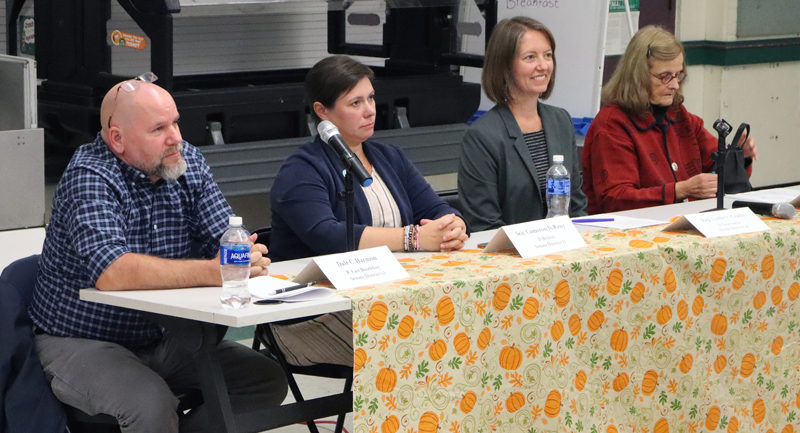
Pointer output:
x,y
283,290
295,287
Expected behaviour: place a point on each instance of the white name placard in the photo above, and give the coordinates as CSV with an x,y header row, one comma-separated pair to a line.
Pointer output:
x,y
725,222
354,269
537,238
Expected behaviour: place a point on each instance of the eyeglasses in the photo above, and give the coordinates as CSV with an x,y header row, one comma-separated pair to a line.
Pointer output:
x,y
131,85
667,77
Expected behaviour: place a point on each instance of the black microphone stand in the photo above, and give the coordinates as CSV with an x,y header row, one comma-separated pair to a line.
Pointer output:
x,y
350,205
723,128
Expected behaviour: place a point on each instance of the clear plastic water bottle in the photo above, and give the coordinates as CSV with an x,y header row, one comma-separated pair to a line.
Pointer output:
x,y
234,264
558,188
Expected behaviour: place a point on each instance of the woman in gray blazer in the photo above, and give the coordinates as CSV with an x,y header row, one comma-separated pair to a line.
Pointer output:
x,y
506,152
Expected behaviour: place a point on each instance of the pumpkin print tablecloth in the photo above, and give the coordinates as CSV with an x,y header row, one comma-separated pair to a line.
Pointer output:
x,y
640,331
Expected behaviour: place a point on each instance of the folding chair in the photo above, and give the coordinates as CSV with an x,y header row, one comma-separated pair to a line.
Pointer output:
x,y
264,336
20,278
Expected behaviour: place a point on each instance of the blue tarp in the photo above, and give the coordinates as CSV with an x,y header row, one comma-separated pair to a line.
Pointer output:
x,y
581,123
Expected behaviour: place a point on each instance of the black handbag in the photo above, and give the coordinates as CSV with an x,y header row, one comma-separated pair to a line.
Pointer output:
x,y
735,169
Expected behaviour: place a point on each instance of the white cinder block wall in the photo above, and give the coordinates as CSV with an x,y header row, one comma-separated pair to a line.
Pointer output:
x,y
767,96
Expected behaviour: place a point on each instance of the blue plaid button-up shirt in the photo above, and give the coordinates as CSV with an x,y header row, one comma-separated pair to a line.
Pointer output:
x,y
104,208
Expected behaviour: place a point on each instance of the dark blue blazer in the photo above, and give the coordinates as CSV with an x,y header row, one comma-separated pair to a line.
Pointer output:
x,y
28,402
308,210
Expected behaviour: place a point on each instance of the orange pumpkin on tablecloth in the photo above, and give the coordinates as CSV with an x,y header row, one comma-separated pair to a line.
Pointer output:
x,y
620,382
614,281
683,310
767,267
619,340
686,363
386,380
574,324
437,350
502,294
445,311
759,300
484,338
580,380
697,305
661,426
468,401
510,358
562,293
748,364
515,401
390,424
359,358
794,291
637,293
759,411
738,280
531,308
712,418
649,382
776,295
377,316
733,425
719,324
461,343
405,327
777,345
718,270
720,363
664,314
596,320
552,405
428,423
557,330
669,280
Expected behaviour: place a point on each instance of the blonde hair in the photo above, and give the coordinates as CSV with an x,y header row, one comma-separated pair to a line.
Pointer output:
x,y
630,85
498,65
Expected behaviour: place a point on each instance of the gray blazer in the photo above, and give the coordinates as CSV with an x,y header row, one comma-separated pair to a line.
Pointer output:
x,y
497,182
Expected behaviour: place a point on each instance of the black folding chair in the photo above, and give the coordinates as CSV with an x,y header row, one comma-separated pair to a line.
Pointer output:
x,y
264,337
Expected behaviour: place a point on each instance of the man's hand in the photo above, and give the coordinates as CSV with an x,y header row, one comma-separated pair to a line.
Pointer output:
x,y
258,257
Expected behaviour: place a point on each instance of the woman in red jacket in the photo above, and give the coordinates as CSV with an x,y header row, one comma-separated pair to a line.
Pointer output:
x,y
644,148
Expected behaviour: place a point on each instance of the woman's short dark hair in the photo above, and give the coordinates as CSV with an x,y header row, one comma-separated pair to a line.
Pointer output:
x,y
498,65
331,77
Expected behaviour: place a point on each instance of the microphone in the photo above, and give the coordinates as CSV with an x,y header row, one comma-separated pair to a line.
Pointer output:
x,y
329,133
777,210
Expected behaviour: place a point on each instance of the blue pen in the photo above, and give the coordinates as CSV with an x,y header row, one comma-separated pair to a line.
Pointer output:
x,y
592,220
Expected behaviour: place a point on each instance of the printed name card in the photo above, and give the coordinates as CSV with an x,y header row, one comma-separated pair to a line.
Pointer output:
x,y
723,222
354,269
537,238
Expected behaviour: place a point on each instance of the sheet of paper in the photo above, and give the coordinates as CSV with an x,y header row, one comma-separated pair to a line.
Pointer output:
x,y
777,195
618,221
304,294
265,285
355,269
537,238
718,223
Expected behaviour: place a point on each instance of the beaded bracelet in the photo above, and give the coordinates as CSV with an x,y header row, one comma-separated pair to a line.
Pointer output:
x,y
407,238
416,238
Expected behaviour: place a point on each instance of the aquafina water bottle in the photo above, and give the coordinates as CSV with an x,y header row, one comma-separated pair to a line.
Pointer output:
x,y
234,264
558,188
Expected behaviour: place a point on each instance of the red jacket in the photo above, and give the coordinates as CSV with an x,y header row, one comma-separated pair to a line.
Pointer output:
x,y
631,163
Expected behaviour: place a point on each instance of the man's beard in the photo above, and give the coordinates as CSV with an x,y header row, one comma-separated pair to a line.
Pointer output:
x,y
170,174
